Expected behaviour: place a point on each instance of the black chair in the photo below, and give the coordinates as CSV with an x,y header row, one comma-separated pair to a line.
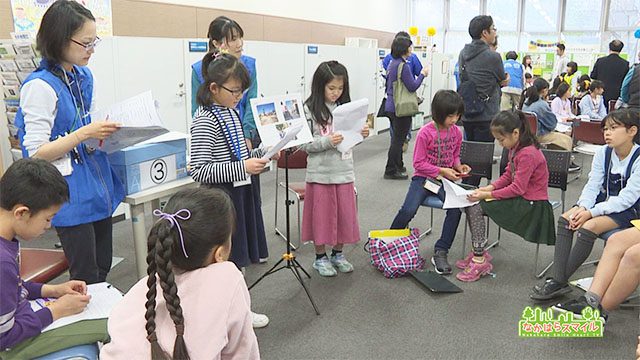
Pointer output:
x,y
479,156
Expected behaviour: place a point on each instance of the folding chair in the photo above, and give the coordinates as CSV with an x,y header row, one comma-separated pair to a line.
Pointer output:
x,y
80,352
297,160
532,119
479,156
612,105
42,265
576,106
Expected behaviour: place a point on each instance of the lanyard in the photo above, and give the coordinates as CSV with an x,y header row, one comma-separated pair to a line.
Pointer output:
x,y
235,142
440,142
81,112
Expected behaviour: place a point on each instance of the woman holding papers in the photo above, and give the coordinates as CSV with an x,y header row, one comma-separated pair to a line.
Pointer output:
x,y
54,120
330,214
522,203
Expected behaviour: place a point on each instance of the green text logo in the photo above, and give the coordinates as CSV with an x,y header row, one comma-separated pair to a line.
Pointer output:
x,y
538,323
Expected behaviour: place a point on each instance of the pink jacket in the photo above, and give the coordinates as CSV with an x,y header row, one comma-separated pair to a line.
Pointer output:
x,y
425,155
217,318
531,177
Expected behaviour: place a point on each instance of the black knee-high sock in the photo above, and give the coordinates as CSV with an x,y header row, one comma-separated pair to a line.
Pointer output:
x,y
581,250
564,240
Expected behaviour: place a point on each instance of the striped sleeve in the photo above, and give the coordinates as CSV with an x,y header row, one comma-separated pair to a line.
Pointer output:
x,y
210,155
18,321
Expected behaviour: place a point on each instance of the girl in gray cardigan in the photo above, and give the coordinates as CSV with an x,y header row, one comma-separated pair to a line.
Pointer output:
x,y
330,216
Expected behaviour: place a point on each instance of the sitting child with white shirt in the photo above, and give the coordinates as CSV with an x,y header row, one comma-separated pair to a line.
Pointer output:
x,y
592,105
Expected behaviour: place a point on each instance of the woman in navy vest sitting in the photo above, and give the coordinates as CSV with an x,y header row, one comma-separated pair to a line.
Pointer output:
x,y
54,121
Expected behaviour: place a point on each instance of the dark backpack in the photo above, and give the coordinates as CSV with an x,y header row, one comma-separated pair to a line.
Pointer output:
x,y
474,103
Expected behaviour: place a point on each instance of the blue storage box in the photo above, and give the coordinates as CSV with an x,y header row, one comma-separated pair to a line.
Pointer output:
x,y
146,165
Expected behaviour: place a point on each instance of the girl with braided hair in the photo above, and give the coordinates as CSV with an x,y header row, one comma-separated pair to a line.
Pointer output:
x,y
197,303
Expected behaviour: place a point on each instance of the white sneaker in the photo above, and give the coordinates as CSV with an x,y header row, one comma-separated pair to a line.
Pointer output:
x,y
259,320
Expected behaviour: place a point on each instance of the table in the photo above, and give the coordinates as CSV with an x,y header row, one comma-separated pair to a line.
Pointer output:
x,y
137,202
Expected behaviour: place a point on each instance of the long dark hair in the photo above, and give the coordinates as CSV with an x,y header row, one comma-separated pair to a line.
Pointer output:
x,y
223,28
219,68
59,23
532,94
524,62
211,223
326,72
507,121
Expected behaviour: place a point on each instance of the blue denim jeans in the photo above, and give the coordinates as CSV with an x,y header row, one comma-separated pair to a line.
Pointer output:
x,y
415,196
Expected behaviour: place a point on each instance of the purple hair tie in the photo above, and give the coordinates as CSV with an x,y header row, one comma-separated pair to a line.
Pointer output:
x,y
172,218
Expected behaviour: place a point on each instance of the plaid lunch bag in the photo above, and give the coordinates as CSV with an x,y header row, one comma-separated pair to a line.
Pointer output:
x,y
398,256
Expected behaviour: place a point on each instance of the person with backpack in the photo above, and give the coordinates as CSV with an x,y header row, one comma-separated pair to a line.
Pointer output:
x,y
481,75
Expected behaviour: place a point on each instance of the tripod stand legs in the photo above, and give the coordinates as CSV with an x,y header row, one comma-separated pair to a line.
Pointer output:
x,y
293,265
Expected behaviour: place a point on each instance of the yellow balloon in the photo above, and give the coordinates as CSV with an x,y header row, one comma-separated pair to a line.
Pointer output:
x,y
431,31
413,30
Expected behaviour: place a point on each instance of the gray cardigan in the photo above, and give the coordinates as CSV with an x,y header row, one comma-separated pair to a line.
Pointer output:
x,y
325,164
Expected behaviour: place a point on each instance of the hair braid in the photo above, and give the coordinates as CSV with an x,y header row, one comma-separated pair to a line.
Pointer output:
x,y
170,293
154,246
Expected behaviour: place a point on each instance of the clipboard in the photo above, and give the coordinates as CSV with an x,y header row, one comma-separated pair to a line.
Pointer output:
x,y
435,282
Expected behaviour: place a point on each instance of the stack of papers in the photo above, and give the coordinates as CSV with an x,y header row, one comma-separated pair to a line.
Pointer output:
x,y
456,196
139,121
104,298
348,120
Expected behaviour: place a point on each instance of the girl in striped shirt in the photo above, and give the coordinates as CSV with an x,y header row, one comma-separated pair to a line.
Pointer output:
x,y
220,157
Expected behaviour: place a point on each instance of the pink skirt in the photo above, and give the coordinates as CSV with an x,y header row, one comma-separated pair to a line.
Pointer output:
x,y
330,216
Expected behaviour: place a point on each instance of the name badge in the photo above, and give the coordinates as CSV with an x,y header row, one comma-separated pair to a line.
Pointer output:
x,y
243,182
432,185
64,165
347,155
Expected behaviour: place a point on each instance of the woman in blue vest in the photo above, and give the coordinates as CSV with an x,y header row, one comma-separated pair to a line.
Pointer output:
x,y
54,121
225,34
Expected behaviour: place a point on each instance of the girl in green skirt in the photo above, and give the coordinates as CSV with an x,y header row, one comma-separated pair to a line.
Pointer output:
x,y
521,201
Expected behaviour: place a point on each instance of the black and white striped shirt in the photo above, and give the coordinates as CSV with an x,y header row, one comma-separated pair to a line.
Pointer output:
x,y
216,135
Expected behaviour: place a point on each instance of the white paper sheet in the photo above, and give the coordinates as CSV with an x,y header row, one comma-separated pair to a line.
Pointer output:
x,y
139,118
348,120
455,196
286,140
127,136
104,297
584,283
563,127
137,111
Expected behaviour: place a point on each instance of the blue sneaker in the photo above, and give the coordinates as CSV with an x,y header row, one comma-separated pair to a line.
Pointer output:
x,y
324,267
341,263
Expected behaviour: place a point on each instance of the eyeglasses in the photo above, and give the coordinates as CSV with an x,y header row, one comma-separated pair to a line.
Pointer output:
x,y
612,128
236,93
90,46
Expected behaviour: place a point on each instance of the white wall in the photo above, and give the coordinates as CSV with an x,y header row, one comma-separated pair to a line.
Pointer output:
x,y
381,15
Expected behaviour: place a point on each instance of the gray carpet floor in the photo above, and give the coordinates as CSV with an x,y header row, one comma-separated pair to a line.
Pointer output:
x,y
366,316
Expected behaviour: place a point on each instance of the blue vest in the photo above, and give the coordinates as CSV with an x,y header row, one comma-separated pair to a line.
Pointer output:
x,y
614,183
249,63
94,189
514,69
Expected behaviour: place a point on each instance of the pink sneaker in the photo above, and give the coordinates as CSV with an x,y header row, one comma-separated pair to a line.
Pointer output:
x,y
462,264
475,271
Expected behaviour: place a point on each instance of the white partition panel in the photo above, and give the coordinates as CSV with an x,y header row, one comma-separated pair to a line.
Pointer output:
x,y
155,64
360,63
280,66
